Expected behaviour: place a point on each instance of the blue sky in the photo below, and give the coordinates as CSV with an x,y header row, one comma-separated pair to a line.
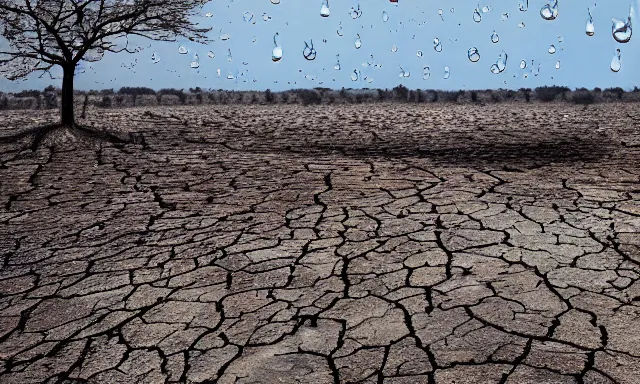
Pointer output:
x,y
412,26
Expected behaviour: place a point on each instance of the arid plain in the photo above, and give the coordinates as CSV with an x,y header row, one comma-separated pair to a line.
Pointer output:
x,y
374,243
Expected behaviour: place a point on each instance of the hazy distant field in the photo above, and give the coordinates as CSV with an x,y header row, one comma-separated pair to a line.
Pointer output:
x,y
367,243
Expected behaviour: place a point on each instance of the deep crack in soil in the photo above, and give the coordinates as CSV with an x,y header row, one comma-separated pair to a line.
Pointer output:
x,y
392,244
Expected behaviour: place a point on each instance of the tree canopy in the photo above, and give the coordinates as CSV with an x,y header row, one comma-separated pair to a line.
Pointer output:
x,y
44,33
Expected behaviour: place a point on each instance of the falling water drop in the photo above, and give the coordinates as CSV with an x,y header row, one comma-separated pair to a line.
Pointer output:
x,y
615,62
247,16
339,31
225,37
211,54
504,16
494,37
501,64
275,1
337,66
552,49
486,8
155,58
182,50
550,11
276,54
590,29
195,63
524,5
419,53
477,17
266,17
437,45
560,39
523,64
385,16
229,57
358,42
440,14
394,48
473,55
309,52
447,72
324,10
355,75
621,30
558,64
426,73
404,73
208,14
521,24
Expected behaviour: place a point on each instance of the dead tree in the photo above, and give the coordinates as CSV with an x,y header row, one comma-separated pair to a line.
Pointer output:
x,y
43,34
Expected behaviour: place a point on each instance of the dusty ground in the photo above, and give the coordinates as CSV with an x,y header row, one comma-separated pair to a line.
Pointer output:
x,y
372,244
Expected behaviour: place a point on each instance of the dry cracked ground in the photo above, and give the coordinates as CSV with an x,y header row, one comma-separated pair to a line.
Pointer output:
x,y
390,244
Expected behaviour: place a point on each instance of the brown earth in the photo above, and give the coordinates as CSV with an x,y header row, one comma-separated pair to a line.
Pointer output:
x,y
349,244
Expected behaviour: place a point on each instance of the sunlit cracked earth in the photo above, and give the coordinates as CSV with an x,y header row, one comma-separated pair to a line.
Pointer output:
x,y
343,244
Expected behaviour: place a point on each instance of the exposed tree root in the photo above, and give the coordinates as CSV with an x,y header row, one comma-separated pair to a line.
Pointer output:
x,y
40,133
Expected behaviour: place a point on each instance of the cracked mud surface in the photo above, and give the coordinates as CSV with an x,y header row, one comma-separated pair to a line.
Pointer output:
x,y
350,244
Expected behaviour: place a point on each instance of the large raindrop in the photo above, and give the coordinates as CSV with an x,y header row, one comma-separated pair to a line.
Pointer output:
x,y
276,54
550,11
473,55
616,63
324,9
590,29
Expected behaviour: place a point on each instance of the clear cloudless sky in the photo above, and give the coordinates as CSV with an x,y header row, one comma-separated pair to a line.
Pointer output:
x,y
412,26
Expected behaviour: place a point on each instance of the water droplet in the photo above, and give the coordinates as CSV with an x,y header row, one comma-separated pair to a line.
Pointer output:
x,y
505,16
560,39
452,10
494,37
426,73
447,72
266,17
477,17
225,37
521,24
337,66
437,45
355,75
355,12
385,16
419,53
523,64
247,16
524,5
218,72
590,29
486,8
550,11
440,14
358,42
195,63
229,57
276,54
534,69
501,64
394,48
275,1
621,30
182,50
155,58
339,31
309,52
404,73
211,54
552,49
558,64
615,62
230,76
324,10
473,55
208,14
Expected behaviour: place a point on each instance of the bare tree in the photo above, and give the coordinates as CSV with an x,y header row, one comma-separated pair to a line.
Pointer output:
x,y
43,34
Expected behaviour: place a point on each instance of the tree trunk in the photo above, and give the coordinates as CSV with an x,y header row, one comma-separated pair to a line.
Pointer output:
x,y
66,102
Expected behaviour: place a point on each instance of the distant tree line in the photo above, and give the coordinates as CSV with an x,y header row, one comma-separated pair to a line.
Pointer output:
x,y
144,96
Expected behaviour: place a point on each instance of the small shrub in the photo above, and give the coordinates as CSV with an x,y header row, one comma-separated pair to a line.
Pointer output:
x,y
309,96
268,96
105,102
474,96
547,94
617,91
583,97
401,92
